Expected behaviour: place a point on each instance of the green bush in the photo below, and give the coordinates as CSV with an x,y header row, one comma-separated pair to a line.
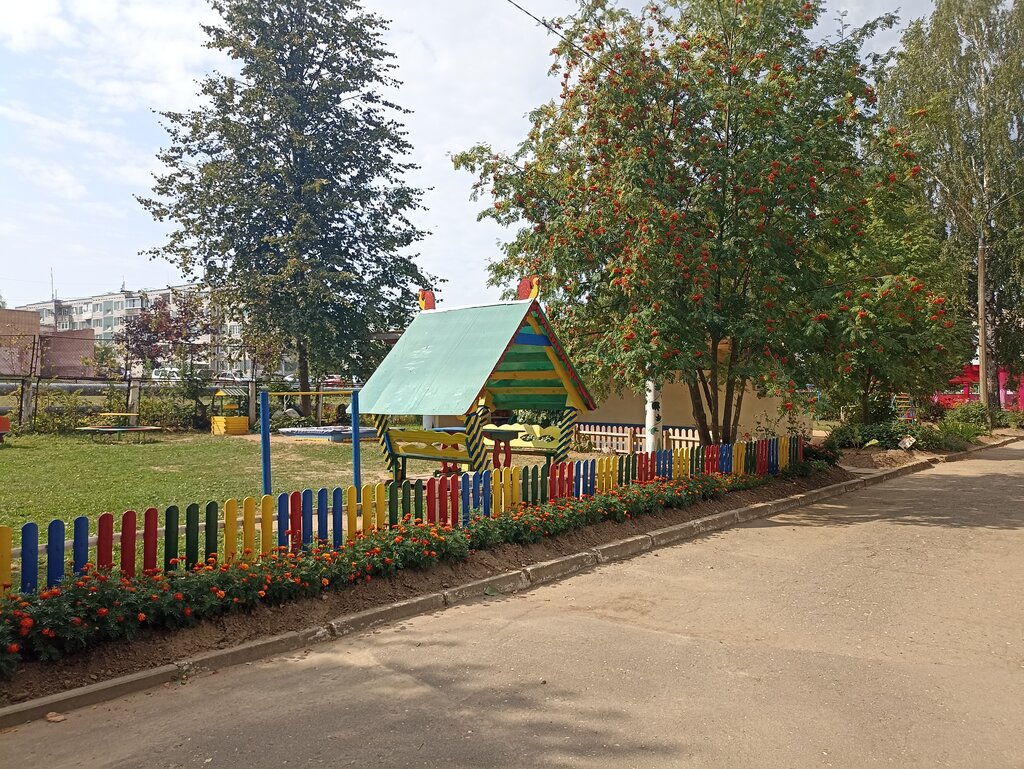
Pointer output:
x,y
167,412
970,413
280,419
1015,419
60,411
826,454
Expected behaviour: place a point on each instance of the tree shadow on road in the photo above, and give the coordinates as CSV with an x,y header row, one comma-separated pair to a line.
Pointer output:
x,y
984,501
370,702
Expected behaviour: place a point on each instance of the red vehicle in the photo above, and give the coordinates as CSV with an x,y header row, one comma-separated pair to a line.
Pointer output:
x,y
336,381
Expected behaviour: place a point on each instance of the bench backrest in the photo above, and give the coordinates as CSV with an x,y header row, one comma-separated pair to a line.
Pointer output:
x,y
531,437
415,441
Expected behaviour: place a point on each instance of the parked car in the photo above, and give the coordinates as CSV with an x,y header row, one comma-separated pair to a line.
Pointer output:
x,y
334,380
166,374
230,376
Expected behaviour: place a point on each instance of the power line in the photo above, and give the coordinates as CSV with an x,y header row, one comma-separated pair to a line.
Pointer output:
x,y
564,39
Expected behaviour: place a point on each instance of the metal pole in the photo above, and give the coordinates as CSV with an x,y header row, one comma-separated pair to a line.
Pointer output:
x,y
357,474
265,439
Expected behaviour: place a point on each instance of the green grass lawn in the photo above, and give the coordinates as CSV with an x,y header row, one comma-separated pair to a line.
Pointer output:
x,y
43,477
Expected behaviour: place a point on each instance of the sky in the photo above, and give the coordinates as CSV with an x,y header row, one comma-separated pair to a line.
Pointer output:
x,y
80,81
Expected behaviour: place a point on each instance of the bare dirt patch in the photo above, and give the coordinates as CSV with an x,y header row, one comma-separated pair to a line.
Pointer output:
x,y
156,647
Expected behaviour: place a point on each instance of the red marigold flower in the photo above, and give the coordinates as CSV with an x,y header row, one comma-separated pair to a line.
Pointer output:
x,y
179,597
103,611
13,648
141,617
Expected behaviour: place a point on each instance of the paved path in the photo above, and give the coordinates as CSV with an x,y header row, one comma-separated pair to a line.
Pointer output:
x,y
883,629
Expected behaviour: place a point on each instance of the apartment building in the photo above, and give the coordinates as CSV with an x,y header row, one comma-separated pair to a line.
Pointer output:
x,y
106,314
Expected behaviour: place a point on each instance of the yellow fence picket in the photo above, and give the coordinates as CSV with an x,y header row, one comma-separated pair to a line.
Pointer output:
x,y
268,508
351,514
368,517
517,485
230,530
739,458
248,527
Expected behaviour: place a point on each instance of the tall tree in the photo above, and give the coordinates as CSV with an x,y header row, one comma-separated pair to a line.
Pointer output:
x,y
957,86
896,323
682,197
286,187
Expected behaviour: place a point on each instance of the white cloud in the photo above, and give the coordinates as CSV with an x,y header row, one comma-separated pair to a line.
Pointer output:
x,y
32,24
52,178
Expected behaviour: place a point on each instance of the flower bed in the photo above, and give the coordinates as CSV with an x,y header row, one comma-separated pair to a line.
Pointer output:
x,y
95,607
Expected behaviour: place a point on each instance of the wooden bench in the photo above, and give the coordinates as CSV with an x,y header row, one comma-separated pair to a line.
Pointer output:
x,y
449,447
5,427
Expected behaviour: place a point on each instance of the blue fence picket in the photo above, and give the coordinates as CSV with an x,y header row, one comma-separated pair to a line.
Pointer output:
x,y
464,494
322,515
29,557
485,482
337,516
54,553
307,517
80,548
283,524
476,481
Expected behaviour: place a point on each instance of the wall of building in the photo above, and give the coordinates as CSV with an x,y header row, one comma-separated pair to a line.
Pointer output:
x,y
677,410
19,335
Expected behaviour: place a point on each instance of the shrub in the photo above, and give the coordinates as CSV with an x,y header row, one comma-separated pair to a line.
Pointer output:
x,y
970,413
1015,419
60,411
166,411
281,419
826,454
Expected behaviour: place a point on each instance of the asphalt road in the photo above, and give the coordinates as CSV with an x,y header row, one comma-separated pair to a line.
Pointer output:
x,y
885,628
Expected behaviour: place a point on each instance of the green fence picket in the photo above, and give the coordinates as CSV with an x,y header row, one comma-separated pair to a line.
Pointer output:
x,y
211,529
170,536
393,503
191,535
417,495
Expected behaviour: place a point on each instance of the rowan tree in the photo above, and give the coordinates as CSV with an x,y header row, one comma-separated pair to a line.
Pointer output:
x,y
898,321
682,197
285,188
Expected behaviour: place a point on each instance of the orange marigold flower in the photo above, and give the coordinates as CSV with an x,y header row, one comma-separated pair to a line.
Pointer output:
x,y
13,648
141,617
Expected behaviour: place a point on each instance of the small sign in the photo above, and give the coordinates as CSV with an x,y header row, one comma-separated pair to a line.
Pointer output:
x,y
906,442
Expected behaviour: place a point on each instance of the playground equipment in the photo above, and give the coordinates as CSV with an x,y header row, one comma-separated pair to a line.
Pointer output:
x,y
465,363
265,434
228,404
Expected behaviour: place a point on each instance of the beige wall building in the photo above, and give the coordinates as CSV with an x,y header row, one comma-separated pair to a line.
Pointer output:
x,y
677,411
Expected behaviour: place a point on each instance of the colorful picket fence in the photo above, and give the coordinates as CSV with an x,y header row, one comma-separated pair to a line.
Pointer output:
x,y
253,527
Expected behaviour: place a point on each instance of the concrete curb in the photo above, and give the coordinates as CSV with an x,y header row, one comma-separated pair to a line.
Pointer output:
x,y
974,449
500,584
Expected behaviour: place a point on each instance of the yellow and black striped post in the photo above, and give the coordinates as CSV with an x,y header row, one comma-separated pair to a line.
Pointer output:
x,y
475,420
565,430
381,424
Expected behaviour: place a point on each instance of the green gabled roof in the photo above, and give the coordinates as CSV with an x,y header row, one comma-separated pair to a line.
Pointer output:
x,y
448,359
